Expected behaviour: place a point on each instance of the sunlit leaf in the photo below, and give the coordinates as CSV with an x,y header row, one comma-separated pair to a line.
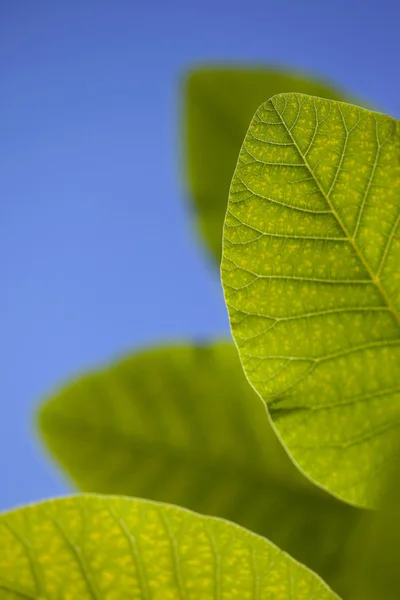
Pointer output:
x,y
105,548
219,104
312,283
182,425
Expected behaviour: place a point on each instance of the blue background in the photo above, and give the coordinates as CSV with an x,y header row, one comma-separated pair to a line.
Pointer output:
x,y
97,247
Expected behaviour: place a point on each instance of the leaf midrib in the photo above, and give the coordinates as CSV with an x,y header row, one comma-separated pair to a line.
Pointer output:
x,y
375,280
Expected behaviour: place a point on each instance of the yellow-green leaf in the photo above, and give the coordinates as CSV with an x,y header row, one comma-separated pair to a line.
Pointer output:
x,y
182,425
219,104
110,548
312,283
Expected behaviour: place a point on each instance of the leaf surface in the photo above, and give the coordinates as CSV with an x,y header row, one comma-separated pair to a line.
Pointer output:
x,y
219,104
312,283
105,548
372,561
182,425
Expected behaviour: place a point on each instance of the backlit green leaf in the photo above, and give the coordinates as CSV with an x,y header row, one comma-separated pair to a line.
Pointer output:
x,y
312,283
182,425
105,548
220,103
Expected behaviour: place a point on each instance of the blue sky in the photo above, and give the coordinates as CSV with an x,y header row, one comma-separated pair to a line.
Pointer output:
x,y
97,247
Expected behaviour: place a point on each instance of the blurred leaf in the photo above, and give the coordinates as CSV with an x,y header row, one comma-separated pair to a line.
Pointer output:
x,y
311,278
220,104
93,547
182,425
372,564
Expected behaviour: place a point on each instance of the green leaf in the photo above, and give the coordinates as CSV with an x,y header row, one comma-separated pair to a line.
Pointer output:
x,y
372,561
105,548
312,283
219,104
182,425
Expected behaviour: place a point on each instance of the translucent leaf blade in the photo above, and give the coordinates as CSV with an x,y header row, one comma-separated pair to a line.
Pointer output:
x,y
311,280
105,548
219,104
182,425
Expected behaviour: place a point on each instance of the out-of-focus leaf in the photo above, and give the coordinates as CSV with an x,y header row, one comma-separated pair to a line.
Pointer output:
x,y
372,562
219,105
182,425
105,548
312,283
